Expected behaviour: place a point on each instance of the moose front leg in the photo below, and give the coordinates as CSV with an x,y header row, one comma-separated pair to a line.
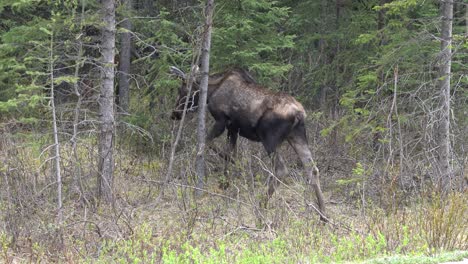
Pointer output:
x,y
233,134
215,131
231,139
298,141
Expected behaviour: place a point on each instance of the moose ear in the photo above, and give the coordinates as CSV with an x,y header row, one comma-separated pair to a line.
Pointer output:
x,y
177,72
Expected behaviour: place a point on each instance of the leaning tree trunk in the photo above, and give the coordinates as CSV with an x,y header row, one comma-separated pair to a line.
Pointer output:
x,y
445,171
124,62
106,103
205,66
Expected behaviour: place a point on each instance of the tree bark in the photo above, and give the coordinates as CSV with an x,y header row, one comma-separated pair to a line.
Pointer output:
x,y
205,66
106,103
124,62
445,171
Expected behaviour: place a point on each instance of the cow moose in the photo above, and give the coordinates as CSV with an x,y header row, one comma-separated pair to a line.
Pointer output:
x,y
238,104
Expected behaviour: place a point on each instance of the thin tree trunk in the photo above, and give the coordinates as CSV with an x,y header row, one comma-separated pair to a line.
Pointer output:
x,y
205,66
381,15
445,172
381,21
106,103
124,62
190,81
76,184
55,131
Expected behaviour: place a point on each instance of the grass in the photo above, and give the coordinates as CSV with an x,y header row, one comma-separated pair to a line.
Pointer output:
x,y
196,235
438,258
238,250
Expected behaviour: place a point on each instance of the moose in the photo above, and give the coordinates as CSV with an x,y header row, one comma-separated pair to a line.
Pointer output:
x,y
242,107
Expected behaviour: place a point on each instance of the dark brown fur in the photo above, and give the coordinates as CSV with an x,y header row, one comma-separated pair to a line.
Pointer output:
x,y
245,108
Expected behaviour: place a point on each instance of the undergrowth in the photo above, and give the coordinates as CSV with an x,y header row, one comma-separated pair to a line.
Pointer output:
x,y
397,238
151,223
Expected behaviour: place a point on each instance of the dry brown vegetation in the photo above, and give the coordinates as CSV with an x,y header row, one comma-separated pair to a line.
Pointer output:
x,y
154,221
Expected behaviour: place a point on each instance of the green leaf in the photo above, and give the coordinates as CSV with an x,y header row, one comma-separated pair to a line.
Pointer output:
x,y
66,79
45,30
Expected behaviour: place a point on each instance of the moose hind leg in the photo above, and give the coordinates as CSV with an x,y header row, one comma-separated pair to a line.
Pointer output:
x,y
298,140
281,171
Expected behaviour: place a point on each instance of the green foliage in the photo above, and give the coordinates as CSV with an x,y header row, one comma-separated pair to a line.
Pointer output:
x,y
399,7
353,247
162,41
356,247
248,34
24,56
5,244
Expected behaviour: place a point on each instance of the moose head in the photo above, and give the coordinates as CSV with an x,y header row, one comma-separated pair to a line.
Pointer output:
x,y
183,92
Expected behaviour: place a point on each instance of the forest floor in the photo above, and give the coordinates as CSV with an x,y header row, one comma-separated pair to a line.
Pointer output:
x,y
156,222
227,227
464,261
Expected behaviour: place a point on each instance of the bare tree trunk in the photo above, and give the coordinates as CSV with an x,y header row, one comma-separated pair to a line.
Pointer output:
x,y
76,184
182,120
445,171
124,62
205,66
106,103
55,131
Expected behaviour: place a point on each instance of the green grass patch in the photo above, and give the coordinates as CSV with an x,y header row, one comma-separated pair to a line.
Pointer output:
x,y
438,258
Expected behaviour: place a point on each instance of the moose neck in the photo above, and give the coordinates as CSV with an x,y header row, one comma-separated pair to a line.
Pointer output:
x,y
195,95
213,85
214,82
